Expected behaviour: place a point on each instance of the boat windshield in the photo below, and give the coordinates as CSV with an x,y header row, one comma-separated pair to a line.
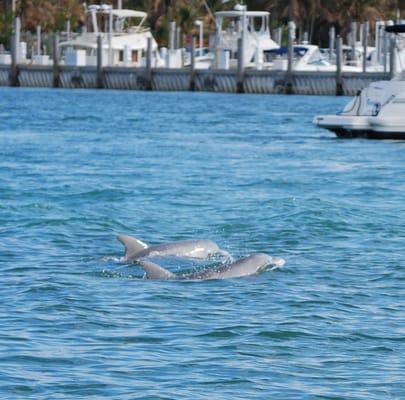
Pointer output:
x,y
316,58
271,55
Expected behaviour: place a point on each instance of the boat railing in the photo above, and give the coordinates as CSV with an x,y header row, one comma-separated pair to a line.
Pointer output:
x,y
134,29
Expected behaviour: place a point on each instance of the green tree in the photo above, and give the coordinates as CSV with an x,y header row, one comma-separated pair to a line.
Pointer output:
x,y
6,28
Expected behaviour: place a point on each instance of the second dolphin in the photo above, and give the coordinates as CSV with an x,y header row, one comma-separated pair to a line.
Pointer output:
x,y
135,249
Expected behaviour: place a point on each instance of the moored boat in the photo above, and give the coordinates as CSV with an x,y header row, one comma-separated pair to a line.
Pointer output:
x,y
377,112
123,34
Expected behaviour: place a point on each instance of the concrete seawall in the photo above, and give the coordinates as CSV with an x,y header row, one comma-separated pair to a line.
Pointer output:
x,y
184,79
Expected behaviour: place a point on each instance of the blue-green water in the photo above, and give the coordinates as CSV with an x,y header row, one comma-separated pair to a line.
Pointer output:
x,y
249,172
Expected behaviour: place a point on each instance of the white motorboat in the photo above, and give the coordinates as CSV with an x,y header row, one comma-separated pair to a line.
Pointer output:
x,y
124,39
309,57
377,112
306,57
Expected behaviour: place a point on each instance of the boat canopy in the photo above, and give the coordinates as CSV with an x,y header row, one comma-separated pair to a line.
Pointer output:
x,y
400,28
125,13
237,13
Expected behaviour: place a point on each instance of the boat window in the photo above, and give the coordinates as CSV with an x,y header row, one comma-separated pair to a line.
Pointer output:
x,y
316,58
282,52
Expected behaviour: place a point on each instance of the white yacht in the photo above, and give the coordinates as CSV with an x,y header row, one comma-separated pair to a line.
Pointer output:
x,y
377,112
252,26
124,39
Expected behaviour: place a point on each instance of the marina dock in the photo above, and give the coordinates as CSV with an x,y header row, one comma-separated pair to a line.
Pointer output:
x,y
109,59
187,79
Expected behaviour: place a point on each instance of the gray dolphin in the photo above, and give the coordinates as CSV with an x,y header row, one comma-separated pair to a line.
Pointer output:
x,y
198,248
244,267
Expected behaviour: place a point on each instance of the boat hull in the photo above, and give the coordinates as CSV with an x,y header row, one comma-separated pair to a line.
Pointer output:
x,y
361,127
367,134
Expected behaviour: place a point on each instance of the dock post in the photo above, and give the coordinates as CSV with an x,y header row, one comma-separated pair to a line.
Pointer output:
x,y
339,57
38,40
353,31
332,35
365,43
99,72
172,29
192,66
289,77
241,68
384,49
15,41
148,83
379,29
68,29
170,56
178,36
392,57
55,83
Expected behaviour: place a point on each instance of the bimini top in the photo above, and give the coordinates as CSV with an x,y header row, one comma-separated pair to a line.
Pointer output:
x,y
400,28
238,13
119,13
128,14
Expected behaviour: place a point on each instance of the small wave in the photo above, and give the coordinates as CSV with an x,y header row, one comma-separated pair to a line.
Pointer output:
x,y
132,339
231,381
283,334
114,259
106,273
277,263
220,334
382,349
43,288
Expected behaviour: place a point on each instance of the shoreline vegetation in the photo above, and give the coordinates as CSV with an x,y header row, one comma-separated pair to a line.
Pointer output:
x,y
312,17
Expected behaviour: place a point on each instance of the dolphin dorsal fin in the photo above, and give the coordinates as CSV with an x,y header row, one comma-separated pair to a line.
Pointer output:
x,y
154,271
132,245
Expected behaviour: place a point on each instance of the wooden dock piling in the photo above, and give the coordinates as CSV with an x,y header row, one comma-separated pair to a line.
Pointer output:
x,y
332,39
99,71
55,61
353,39
15,41
339,59
289,77
241,68
365,44
392,56
148,72
192,65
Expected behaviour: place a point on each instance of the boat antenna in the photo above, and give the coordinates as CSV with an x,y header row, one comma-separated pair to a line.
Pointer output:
x,y
210,13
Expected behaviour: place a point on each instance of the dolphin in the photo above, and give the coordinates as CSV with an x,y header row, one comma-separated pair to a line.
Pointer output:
x,y
135,249
246,266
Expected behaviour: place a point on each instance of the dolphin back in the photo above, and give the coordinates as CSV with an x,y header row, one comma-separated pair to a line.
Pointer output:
x,y
245,266
196,248
133,246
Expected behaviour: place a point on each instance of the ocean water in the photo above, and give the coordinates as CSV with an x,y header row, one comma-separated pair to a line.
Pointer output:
x,y
248,171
